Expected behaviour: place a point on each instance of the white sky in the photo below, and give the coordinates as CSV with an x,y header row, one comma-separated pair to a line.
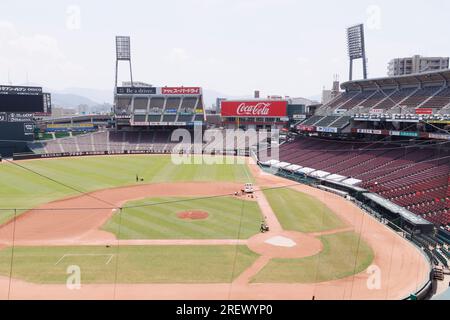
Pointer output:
x,y
286,47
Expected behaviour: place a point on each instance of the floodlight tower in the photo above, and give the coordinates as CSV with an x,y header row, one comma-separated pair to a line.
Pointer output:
x,y
356,47
123,53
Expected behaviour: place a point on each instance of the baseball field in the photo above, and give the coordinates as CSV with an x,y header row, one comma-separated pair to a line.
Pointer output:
x,y
142,227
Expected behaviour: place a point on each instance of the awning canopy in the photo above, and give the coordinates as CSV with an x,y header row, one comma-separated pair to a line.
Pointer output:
x,y
404,213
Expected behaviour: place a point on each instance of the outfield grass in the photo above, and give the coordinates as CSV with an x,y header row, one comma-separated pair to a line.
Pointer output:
x,y
229,218
23,189
344,254
297,211
136,264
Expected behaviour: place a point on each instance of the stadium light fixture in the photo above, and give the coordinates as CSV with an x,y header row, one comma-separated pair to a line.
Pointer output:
x,y
123,53
356,47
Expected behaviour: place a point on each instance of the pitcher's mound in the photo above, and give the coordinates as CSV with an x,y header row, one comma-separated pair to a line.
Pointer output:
x,y
193,215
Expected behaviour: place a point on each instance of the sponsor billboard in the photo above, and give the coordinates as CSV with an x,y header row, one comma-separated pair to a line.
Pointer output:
x,y
327,129
20,90
259,109
136,90
439,136
371,131
438,121
170,111
404,134
70,127
302,127
424,111
299,116
28,129
181,90
20,117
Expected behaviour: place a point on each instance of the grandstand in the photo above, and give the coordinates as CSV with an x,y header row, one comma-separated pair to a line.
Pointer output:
x,y
108,141
415,177
376,120
151,107
402,94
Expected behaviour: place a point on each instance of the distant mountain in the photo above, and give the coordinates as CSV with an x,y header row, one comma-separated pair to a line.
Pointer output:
x,y
98,95
71,101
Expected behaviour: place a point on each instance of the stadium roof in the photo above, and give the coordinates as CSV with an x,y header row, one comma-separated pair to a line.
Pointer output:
x,y
435,77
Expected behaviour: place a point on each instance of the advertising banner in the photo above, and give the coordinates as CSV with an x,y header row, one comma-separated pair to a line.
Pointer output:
x,y
136,90
181,90
424,111
259,109
20,90
306,128
327,129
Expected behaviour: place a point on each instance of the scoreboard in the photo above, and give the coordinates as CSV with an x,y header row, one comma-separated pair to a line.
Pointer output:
x,y
19,99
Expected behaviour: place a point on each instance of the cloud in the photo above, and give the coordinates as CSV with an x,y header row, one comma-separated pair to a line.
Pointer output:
x,y
302,61
178,55
39,53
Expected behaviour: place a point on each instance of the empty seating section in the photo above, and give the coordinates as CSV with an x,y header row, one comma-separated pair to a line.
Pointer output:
x,y
341,122
185,118
140,118
377,98
140,103
108,141
440,100
159,109
173,103
145,140
188,104
326,121
161,140
156,104
420,96
414,177
154,118
123,106
169,118
343,98
312,121
357,100
389,97
330,121
395,98
199,117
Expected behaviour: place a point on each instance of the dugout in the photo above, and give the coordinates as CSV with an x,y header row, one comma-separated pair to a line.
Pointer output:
x,y
400,216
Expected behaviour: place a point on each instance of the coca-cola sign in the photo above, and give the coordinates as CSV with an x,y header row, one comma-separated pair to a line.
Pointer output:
x,y
254,109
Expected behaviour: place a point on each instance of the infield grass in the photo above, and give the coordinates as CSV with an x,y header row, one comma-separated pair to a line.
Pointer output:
x,y
23,189
229,218
343,255
297,211
136,264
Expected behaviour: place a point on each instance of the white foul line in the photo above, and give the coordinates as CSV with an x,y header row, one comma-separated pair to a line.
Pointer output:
x,y
87,254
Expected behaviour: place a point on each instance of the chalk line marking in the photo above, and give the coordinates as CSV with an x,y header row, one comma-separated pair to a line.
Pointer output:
x,y
111,256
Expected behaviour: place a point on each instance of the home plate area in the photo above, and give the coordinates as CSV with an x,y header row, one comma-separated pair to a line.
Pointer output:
x,y
285,244
280,241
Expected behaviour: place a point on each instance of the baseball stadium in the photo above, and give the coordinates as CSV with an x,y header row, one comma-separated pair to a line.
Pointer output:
x,y
265,200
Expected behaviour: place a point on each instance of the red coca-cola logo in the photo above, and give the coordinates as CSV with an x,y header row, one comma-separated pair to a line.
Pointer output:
x,y
254,108
259,109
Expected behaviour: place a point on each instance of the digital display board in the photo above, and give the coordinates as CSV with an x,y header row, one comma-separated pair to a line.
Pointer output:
x,y
21,103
